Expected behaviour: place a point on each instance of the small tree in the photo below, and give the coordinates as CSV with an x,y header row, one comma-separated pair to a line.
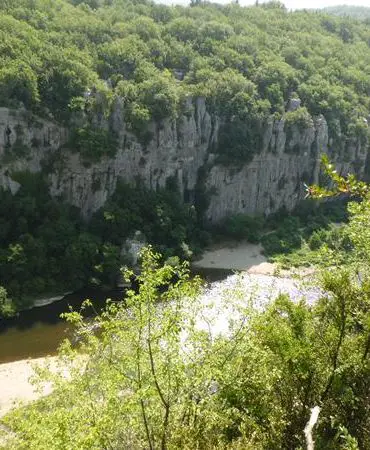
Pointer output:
x,y
6,305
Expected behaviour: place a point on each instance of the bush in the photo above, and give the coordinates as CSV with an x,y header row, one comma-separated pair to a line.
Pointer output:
x,y
238,142
317,239
300,118
285,239
242,226
6,305
161,216
93,143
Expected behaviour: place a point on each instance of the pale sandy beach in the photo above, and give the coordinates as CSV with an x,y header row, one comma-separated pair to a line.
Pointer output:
x,y
238,256
15,382
244,257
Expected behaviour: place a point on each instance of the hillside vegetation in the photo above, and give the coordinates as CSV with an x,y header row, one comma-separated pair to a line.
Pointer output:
x,y
144,374
358,12
247,62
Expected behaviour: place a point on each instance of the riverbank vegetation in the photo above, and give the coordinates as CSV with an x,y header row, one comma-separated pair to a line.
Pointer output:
x,y
46,247
286,235
153,378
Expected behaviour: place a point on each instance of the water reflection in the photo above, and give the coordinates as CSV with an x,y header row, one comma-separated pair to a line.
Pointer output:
x,y
39,331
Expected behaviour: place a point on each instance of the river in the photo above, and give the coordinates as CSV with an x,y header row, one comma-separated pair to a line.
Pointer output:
x,y
39,331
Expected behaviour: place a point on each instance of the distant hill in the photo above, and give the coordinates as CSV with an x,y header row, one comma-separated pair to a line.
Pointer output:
x,y
359,12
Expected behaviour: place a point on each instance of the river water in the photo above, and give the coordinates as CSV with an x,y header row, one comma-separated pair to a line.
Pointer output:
x,y
39,331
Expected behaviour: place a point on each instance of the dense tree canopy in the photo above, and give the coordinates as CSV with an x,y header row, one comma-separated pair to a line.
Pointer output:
x,y
54,53
359,12
46,247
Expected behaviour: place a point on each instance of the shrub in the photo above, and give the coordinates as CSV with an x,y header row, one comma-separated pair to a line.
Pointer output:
x,y
242,226
6,305
317,239
238,142
93,143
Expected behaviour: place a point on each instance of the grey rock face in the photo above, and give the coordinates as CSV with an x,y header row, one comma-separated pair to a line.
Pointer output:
x,y
26,142
294,104
132,247
177,149
19,127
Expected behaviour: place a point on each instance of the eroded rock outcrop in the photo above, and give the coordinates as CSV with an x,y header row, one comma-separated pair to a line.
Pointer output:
x,y
180,149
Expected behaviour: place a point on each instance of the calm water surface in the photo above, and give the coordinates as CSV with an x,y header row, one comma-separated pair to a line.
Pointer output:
x,y
39,331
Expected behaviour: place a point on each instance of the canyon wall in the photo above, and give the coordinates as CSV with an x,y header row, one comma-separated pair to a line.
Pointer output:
x,y
184,149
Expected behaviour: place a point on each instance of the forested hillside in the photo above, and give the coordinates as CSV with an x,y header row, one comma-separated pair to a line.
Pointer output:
x,y
246,61
358,12
69,62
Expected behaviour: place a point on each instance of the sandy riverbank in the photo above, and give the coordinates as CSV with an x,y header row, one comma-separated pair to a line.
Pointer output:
x,y
244,257
234,256
238,256
15,382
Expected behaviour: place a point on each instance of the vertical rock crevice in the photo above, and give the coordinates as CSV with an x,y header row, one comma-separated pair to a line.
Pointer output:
x,y
178,149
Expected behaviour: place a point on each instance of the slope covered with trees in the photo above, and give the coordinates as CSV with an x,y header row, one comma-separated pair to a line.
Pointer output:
x,y
46,247
247,62
358,12
150,378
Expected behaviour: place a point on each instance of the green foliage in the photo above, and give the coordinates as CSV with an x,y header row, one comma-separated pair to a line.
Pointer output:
x,y
238,142
160,95
286,238
300,118
6,305
358,12
246,62
167,223
299,238
340,185
18,83
242,226
295,238
141,394
93,143
324,244
46,247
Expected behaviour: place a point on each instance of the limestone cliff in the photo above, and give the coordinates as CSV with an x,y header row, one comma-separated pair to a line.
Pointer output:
x,y
182,149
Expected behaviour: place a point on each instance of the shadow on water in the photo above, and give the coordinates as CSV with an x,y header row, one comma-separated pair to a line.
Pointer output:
x,y
212,275
50,314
